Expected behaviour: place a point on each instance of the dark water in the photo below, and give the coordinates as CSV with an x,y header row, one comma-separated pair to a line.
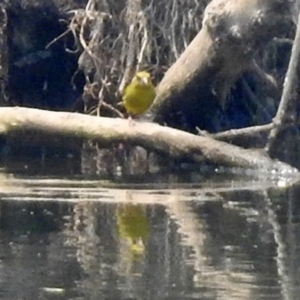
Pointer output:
x,y
196,238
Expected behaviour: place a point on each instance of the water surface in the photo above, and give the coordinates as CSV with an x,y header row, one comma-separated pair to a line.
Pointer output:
x,y
179,237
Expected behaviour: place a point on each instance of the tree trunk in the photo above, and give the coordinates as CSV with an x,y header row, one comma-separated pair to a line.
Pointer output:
x,y
197,84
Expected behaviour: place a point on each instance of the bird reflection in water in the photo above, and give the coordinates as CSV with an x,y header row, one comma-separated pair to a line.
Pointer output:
x,y
133,226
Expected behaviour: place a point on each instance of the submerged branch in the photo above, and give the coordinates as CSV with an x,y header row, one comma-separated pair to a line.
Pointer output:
x,y
38,124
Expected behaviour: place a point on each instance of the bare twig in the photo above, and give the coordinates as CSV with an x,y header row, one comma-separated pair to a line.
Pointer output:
x,y
58,38
236,133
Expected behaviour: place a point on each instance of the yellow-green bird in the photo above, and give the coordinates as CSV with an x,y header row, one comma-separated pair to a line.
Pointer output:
x,y
139,94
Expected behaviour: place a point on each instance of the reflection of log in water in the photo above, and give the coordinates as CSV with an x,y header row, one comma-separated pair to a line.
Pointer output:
x,y
82,234
175,232
227,284
110,241
281,258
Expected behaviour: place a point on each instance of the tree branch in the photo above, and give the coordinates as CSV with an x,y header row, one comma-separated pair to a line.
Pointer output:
x,y
247,132
286,112
20,123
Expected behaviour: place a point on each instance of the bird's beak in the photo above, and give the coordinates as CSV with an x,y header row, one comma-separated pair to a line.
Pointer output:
x,y
145,80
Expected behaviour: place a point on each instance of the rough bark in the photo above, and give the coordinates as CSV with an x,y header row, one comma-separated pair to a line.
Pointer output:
x,y
222,51
40,125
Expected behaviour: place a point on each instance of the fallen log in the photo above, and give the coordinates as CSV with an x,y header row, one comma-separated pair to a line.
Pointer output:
x,y
41,125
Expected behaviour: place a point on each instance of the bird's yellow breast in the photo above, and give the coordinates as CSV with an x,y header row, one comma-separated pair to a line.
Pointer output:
x,y
138,96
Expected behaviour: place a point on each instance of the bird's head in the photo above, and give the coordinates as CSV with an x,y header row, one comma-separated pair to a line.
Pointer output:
x,y
142,78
